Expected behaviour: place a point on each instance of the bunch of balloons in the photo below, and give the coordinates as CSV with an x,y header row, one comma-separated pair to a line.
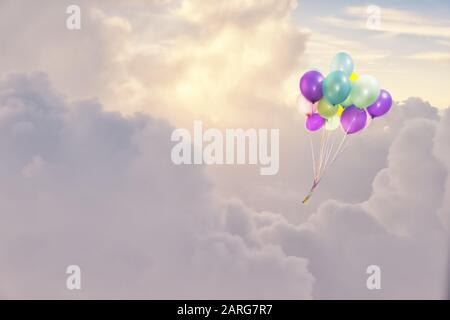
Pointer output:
x,y
342,97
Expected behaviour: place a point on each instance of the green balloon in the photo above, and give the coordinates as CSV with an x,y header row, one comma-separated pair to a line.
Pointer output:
x,y
325,109
348,102
365,91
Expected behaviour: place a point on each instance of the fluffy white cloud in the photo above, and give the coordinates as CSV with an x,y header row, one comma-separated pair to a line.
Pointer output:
x,y
398,228
179,66
441,149
83,186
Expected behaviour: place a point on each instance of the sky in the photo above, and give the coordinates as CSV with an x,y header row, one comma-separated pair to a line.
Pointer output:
x,y
86,178
409,54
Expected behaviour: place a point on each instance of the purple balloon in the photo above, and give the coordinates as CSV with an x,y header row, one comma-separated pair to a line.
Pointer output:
x,y
314,122
311,85
381,106
353,119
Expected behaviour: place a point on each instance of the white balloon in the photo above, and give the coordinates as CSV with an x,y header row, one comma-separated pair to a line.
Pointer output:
x,y
332,123
305,106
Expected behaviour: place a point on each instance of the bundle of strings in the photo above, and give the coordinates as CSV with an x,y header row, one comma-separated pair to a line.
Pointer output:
x,y
327,156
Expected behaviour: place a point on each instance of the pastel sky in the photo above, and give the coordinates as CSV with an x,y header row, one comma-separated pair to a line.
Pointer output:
x,y
410,54
86,177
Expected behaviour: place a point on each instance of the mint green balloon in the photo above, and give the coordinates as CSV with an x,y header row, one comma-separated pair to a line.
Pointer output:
x,y
325,109
343,62
336,87
348,102
365,91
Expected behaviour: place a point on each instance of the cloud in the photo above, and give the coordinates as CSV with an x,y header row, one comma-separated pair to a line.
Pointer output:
x,y
399,227
244,13
102,164
393,21
83,186
381,204
441,150
431,56
181,60
322,44
101,191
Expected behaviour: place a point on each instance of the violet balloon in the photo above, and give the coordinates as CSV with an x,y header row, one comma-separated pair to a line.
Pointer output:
x,y
353,119
314,122
311,85
381,105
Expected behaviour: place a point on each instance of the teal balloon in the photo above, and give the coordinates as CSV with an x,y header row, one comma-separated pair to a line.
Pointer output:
x,y
365,91
336,87
343,62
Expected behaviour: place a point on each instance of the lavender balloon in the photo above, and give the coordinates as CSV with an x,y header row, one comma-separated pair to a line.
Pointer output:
x,y
314,122
311,85
381,106
353,119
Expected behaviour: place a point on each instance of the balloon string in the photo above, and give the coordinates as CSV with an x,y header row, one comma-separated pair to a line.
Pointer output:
x,y
310,191
328,152
316,164
325,151
313,155
319,161
323,144
318,178
320,165
338,151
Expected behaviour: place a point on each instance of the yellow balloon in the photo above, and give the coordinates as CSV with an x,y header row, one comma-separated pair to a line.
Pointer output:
x,y
353,76
340,110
